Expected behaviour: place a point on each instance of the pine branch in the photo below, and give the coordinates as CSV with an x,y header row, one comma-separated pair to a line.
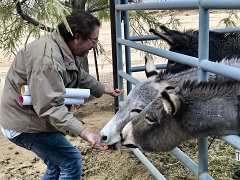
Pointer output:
x,y
91,10
29,19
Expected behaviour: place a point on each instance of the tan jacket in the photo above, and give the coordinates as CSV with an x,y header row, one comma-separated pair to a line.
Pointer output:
x,y
47,66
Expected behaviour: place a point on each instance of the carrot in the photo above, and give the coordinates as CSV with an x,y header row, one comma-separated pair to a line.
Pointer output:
x,y
105,147
117,91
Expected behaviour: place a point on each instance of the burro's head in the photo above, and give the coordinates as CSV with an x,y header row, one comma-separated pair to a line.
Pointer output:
x,y
151,130
190,111
140,96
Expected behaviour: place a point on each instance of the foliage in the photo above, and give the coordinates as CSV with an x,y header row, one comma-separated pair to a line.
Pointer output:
x,y
98,8
230,21
151,19
147,19
16,30
20,20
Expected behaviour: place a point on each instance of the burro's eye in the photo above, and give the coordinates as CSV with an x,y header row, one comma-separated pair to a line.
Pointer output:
x,y
136,110
149,120
134,113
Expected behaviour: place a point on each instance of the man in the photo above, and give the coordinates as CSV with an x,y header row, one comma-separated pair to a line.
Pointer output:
x,y
48,66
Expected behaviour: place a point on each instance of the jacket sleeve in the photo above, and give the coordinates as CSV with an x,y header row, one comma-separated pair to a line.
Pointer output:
x,y
88,81
47,90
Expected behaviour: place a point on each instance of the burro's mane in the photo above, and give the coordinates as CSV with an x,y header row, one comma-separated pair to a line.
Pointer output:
x,y
162,75
191,74
222,36
210,89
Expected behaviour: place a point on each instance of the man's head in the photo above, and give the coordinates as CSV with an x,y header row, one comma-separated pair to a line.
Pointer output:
x,y
85,31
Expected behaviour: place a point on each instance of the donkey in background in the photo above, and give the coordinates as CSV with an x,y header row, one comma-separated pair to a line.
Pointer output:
x,y
191,111
221,45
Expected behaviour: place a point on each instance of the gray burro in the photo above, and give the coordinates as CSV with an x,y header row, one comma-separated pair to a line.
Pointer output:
x,y
165,100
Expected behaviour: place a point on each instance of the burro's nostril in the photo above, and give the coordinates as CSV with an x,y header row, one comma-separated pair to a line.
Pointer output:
x,y
104,138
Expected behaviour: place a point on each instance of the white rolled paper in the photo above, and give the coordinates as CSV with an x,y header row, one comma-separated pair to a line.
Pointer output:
x,y
27,100
77,93
73,101
25,91
70,92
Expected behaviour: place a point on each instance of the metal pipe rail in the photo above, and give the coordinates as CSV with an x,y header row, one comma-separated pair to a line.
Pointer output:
x,y
191,61
205,65
153,170
181,5
166,5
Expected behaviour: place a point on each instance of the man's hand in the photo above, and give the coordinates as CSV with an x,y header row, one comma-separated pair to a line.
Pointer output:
x,y
93,139
109,89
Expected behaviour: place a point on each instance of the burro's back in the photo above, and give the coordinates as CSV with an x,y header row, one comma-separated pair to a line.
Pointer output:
x,y
221,45
192,74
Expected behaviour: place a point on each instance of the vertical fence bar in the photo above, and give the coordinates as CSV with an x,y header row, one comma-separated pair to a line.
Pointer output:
x,y
127,48
114,51
203,47
119,49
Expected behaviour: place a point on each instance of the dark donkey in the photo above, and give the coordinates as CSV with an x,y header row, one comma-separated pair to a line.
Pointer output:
x,y
191,111
221,45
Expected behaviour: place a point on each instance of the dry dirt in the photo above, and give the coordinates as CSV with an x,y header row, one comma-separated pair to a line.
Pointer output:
x,y
17,163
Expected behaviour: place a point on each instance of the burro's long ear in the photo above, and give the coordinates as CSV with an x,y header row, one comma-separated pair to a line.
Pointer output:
x,y
172,37
171,101
166,35
150,68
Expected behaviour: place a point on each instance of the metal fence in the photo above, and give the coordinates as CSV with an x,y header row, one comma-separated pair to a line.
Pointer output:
x,y
122,7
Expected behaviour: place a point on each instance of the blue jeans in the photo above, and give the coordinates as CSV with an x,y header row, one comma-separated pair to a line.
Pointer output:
x,y
64,162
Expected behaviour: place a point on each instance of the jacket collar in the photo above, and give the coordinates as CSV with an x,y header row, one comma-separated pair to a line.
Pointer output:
x,y
68,57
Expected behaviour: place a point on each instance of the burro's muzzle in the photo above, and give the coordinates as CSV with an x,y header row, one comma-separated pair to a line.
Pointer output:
x,y
129,132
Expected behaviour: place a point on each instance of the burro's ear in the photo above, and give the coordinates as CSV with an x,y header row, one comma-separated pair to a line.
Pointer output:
x,y
150,68
171,101
166,36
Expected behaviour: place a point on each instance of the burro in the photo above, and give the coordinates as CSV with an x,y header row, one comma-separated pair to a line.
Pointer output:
x,y
145,92
190,111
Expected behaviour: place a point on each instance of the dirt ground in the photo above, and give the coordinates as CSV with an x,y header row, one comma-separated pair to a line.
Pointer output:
x,y
19,164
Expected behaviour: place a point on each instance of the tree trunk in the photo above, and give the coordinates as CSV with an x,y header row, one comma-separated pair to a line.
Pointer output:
x,y
80,4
